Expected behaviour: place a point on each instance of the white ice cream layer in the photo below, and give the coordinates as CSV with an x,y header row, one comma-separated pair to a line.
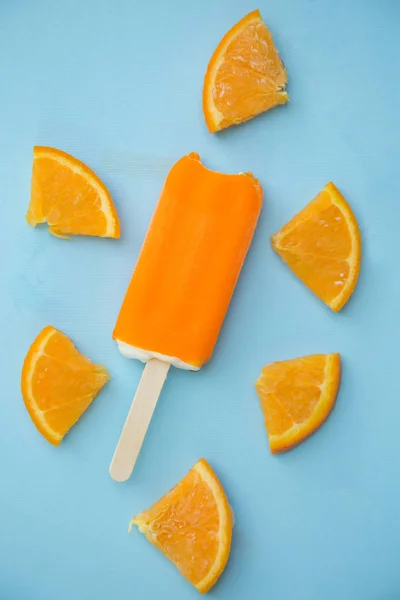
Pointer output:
x,y
144,355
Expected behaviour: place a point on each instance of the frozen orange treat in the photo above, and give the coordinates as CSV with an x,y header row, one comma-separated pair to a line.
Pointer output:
x,y
182,284
189,264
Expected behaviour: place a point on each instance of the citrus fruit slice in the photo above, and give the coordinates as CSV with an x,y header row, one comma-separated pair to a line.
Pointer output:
x,y
192,526
296,397
322,246
245,75
58,383
68,196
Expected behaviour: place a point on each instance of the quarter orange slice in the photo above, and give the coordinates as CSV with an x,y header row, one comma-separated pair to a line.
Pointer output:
x,y
296,397
58,383
322,246
245,76
68,196
192,526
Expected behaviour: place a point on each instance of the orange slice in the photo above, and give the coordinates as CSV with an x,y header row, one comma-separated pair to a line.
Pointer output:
x,y
322,246
245,76
58,383
68,196
192,526
296,397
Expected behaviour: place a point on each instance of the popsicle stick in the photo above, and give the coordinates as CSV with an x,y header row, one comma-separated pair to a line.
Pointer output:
x,y
138,419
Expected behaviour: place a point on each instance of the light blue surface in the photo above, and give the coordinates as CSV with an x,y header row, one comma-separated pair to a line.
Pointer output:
x,y
119,86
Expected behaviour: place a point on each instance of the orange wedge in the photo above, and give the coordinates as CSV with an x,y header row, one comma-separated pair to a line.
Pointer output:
x,y
192,526
58,383
68,196
245,76
322,246
296,397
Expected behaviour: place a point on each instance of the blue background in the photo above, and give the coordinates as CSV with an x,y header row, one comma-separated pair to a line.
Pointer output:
x,y
118,84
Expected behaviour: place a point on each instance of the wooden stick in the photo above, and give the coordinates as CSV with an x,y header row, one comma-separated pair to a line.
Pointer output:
x,y
138,419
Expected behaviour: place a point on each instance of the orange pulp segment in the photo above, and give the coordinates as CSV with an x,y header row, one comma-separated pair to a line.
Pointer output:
x,y
70,197
245,76
296,397
192,526
322,246
58,383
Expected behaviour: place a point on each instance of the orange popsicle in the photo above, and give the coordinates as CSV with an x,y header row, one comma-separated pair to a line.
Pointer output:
x,y
189,264
182,284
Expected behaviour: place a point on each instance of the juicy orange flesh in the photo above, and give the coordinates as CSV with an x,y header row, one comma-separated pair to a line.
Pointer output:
x,y
64,200
289,391
189,264
251,78
63,383
316,245
62,419
184,525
